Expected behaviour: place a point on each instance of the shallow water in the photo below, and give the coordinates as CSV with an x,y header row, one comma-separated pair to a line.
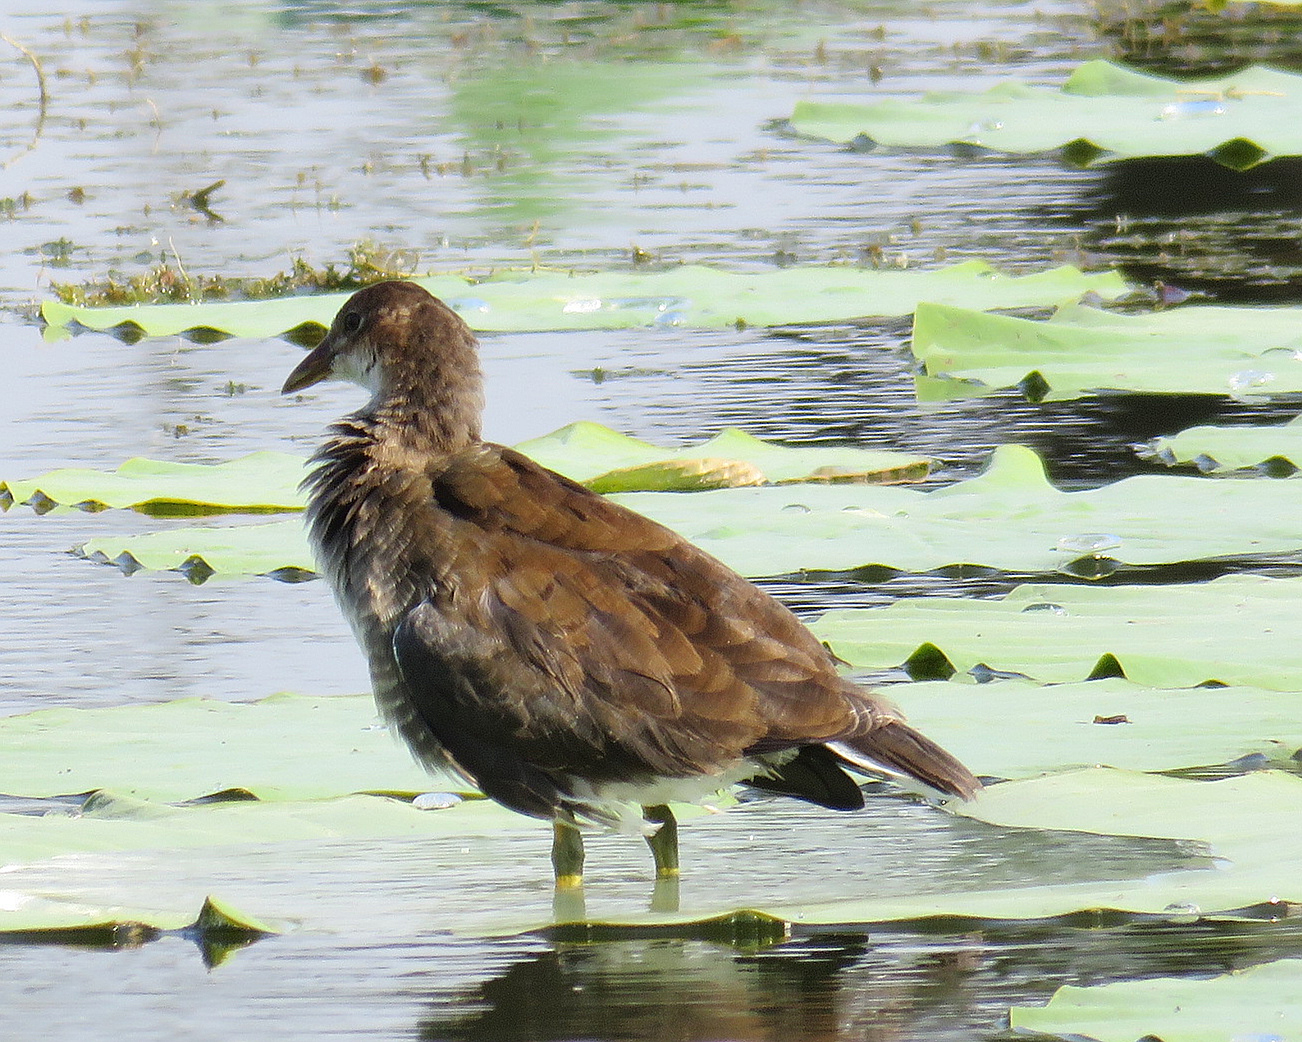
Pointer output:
x,y
397,123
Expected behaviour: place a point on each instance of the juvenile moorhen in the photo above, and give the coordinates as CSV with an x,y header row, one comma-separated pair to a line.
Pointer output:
x,y
572,658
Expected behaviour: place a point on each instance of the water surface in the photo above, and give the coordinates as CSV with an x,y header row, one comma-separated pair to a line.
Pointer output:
x,y
456,133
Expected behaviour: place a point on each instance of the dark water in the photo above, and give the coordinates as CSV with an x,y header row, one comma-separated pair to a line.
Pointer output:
x,y
403,124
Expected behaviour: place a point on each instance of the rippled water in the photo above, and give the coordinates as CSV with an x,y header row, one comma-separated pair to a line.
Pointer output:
x,y
400,123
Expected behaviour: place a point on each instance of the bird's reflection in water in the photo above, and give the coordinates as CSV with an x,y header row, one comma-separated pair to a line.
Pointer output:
x,y
953,983
657,989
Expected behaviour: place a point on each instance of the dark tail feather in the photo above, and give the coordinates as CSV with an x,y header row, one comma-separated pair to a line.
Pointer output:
x,y
814,774
899,749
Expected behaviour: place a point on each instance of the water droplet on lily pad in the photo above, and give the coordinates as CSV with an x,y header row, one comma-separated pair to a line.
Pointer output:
x,y
1194,107
436,800
1247,379
1089,542
466,305
1183,911
797,508
1052,609
658,304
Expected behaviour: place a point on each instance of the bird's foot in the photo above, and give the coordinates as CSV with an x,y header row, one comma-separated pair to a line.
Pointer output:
x,y
664,841
664,898
568,905
567,854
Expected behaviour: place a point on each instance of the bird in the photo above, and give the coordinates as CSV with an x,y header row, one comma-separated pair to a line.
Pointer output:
x,y
574,660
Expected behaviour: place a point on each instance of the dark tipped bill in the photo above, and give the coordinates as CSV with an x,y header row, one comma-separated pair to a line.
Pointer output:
x,y
313,369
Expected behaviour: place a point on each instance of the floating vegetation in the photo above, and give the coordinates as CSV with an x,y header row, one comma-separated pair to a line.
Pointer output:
x,y
1104,112
170,282
519,300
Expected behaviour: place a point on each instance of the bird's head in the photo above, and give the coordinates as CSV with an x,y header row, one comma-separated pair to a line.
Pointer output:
x,y
414,354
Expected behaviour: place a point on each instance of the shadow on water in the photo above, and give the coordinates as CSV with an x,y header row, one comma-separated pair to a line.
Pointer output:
x,y
852,385
954,981
1193,223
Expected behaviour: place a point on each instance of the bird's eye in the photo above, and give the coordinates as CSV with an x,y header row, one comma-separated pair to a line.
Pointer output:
x,y
352,322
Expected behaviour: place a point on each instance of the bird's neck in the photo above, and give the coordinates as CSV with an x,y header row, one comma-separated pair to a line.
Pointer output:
x,y
436,419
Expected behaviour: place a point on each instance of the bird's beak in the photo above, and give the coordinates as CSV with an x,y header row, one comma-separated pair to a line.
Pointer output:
x,y
313,369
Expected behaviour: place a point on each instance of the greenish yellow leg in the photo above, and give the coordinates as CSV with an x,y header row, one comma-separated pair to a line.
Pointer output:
x,y
664,843
567,855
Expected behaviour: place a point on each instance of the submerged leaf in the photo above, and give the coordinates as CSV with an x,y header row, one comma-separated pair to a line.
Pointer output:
x,y
691,295
1102,113
1237,352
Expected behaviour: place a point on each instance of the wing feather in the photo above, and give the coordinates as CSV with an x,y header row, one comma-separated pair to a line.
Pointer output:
x,y
585,637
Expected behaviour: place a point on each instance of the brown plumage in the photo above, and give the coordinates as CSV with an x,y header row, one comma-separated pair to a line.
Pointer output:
x,y
565,653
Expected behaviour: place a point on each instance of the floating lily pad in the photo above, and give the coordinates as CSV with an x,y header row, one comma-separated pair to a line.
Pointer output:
x,y
607,461
260,481
111,822
1261,1003
1104,112
294,747
1236,816
598,456
1239,818
691,295
127,847
278,549
283,747
1238,352
1237,629
1274,450
51,918
155,856
1010,517
1016,729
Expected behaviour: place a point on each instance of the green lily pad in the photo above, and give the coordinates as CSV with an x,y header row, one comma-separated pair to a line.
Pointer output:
x,y
476,847
278,549
1016,729
260,481
1261,1003
1104,112
598,456
126,838
52,918
1233,630
111,822
190,748
1234,816
1238,352
283,747
1239,818
1275,450
608,461
692,295
1010,517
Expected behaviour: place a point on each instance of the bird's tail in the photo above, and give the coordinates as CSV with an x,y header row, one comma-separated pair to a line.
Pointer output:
x,y
897,748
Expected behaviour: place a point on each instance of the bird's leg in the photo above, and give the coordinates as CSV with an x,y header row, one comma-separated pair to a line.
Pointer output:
x,y
664,841
567,854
